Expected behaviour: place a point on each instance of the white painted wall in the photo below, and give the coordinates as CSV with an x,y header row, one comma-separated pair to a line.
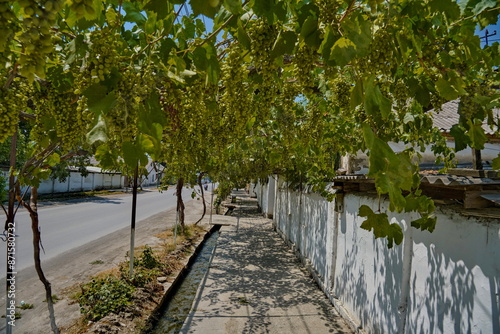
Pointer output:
x,y
447,281
76,182
267,193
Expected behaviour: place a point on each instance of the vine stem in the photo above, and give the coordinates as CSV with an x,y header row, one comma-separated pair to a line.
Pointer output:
x,y
472,16
349,8
161,37
218,30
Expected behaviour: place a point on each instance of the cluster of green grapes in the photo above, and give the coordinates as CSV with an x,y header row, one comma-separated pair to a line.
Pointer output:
x,y
82,7
437,101
101,60
8,27
70,125
432,47
328,10
103,55
263,37
381,52
287,100
131,91
235,99
340,92
12,100
169,101
193,108
469,108
304,64
121,120
36,38
400,96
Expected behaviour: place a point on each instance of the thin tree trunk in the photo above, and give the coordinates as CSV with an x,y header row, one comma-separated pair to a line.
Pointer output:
x,y
180,202
10,228
33,210
202,198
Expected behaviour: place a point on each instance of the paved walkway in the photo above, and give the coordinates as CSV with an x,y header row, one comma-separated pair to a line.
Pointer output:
x,y
255,284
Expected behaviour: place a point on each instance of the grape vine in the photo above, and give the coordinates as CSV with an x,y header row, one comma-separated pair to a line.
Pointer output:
x,y
280,89
14,100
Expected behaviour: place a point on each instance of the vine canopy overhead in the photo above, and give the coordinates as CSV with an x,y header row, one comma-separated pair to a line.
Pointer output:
x,y
242,89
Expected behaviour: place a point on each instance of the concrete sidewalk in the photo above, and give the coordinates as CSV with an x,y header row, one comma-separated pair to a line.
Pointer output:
x,y
255,284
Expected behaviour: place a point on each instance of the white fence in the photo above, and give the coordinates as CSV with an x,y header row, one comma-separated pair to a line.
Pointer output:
x,y
75,182
447,281
97,179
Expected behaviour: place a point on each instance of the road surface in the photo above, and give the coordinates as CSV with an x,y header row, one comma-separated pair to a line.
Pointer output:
x,y
67,225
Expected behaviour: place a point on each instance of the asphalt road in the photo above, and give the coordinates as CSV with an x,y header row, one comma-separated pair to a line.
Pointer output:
x,y
70,224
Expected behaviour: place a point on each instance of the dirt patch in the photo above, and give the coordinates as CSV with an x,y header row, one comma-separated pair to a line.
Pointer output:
x,y
69,270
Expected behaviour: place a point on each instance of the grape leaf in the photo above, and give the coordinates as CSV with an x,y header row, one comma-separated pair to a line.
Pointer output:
x,y
446,89
200,58
375,101
343,51
357,95
476,134
106,156
496,163
285,43
188,28
205,7
243,37
98,132
265,8
53,159
133,14
448,7
146,144
167,45
358,30
329,39
488,17
392,172
134,153
213,66
160,7
425,223
233,6
310,32
461,139
482,5
98,99
379,223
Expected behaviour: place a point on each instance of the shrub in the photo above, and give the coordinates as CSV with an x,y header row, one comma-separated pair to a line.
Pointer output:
x,y
146,269
148,259
102,296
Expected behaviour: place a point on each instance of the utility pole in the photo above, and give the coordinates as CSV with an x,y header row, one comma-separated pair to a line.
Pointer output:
x,y
132,223
486,35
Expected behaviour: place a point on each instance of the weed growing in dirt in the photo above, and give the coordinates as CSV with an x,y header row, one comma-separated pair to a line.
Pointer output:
x,y
25,306
146,268
102,296
148,259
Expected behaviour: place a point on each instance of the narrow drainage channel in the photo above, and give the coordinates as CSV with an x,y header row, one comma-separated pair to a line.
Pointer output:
x,y
172,315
